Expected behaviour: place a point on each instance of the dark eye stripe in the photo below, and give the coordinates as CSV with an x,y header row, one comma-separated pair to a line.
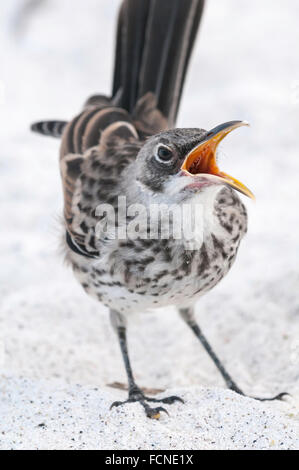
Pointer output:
x,y
164,153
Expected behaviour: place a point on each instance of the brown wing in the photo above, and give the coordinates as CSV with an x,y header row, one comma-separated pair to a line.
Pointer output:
x,y
147,117
96,134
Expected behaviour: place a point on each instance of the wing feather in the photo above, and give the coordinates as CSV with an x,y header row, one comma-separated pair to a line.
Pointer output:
x,y
86,143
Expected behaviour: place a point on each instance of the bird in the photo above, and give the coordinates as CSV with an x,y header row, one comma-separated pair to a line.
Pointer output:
x,y
130,178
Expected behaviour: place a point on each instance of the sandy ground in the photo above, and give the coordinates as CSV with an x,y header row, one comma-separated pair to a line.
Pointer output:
x,y
57,350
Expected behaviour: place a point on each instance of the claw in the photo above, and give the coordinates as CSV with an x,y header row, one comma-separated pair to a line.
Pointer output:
x,y
154,413
116,404
171,400
166,400
280,396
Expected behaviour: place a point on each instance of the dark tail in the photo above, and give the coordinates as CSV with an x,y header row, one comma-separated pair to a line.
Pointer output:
x,y
153,47
49,128
154,42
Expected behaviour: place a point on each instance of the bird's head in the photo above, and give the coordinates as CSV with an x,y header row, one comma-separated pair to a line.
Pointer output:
x,y
183,161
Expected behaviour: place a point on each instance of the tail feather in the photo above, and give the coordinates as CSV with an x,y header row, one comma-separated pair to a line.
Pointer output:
x,y
49,128
132,22
153,47
154,43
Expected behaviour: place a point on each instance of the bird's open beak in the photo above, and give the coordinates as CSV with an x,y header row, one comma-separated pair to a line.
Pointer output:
x,y
202,158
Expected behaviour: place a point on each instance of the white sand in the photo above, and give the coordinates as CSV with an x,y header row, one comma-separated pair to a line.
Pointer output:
x,y
58,346
51,415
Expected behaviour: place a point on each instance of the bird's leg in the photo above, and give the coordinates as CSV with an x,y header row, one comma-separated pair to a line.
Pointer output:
x,y
188,316
135,394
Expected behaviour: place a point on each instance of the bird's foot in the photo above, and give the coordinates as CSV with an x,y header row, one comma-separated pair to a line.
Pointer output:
x,y
280,397
236,389
136,395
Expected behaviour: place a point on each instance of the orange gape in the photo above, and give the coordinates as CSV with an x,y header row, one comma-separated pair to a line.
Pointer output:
x,y
205,162
201,160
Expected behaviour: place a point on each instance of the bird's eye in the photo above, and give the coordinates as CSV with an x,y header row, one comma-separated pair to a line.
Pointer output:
x,y
164,153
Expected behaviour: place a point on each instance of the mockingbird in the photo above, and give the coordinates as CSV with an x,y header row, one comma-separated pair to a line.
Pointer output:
x,y
125,150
